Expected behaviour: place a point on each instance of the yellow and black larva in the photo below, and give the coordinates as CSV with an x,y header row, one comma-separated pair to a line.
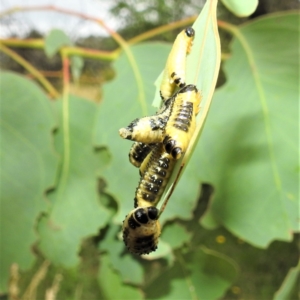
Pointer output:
x,y
159,141
148,129
141,230
174,74
145,130
138,153
151,129
145,164
176,128
156,169
154,177
182,121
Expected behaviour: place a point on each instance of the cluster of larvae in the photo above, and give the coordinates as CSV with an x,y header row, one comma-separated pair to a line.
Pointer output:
x,y
159,141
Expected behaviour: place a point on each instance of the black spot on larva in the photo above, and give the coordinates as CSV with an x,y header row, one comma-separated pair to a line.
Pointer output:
x,y
163,163
125,235
151,188
156,180
168,102
188,88
145,241
132,223
153,213
161,173
141,216
135,202
181,127
169,144
177,80
148,197
176,152
154,125
132,124
184,121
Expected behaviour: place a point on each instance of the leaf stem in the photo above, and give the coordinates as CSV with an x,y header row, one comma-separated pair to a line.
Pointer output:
x,y
84,52
65,118
24,43
31,69
162,29
91,53
123,44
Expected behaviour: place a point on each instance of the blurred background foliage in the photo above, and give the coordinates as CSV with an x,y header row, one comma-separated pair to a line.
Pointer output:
x,y
215,260
133,20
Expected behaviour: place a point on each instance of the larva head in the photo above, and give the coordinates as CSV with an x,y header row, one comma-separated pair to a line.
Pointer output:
x,y
141,230
189,37
179,81
190,32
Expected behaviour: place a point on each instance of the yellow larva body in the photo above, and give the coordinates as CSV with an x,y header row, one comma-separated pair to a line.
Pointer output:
x,y
174,74
159,141
141,230
145,130
154,177
138,152
148,129
182,121
144,164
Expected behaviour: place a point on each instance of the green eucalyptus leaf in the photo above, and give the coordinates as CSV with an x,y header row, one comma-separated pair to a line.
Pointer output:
x,y
111,285
249,148
241,8
202,69
77,64
176,235
200,274
76,211
54,41
290,286
113,245
28,168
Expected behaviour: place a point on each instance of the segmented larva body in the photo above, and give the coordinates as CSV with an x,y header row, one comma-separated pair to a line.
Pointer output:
x,y
141,230
159,141
138,153
154,177
182,121
148,129
174,74
145,130
145,164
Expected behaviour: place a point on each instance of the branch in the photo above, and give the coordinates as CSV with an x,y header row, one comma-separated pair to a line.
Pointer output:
x,y
31,69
